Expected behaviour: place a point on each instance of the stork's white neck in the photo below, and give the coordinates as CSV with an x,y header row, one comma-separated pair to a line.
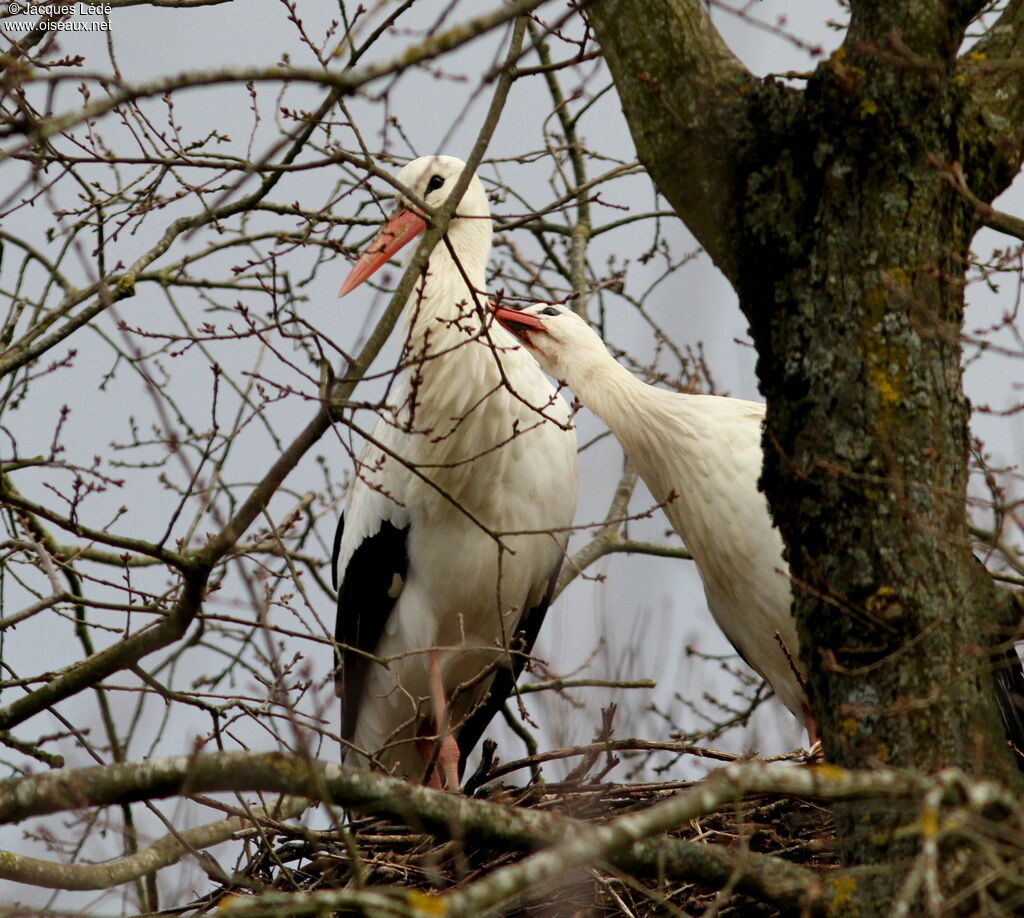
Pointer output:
x,y
452,284
637,413
607,388
450,363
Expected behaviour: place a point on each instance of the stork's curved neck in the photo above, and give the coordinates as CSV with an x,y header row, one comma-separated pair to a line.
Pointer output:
x,y
632,409
605,386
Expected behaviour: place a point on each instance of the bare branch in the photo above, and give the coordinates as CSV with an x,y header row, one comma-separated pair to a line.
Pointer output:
x,y
683,92
167,850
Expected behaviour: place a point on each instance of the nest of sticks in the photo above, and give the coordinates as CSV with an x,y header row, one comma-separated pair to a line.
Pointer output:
x,y
391,855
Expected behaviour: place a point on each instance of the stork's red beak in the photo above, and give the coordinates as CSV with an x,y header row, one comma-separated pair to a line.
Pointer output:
x,y
404,226
519,323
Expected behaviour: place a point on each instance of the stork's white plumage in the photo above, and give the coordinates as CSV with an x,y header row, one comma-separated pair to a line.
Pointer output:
x,y
432,578
701,454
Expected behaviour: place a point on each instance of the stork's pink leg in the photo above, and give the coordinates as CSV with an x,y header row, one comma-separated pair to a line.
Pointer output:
x,y
448,749
814,751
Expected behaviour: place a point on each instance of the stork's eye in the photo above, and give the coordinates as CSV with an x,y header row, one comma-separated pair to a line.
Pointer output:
x,y
549,311
436,181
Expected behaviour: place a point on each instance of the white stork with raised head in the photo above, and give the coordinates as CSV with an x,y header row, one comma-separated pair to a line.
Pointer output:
x,y
459,510
701,455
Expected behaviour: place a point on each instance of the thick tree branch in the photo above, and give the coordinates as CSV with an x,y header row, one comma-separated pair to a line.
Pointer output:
x,y
731,783
925,29
992,124
686,107
987,214
451,815
630,842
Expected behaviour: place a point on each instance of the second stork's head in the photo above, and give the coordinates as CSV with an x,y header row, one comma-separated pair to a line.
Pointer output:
x,y
565,346
431,179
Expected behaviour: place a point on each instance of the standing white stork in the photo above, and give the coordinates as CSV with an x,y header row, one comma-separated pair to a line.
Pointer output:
x,y
701,455
458,515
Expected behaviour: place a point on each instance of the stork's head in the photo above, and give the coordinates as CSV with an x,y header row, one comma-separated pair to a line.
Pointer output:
x,y
562,342
429,179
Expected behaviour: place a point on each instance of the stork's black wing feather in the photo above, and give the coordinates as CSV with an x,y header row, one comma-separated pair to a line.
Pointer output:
x,y
336,550
367,594
1010,692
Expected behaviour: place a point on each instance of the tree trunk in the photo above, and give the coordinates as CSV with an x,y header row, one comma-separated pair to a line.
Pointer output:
x,y
828,211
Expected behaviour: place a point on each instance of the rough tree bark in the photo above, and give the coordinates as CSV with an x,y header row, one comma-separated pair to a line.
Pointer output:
x,y
827,210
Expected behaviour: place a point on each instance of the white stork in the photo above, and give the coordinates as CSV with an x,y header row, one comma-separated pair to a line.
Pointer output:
x,y
458,515
701,455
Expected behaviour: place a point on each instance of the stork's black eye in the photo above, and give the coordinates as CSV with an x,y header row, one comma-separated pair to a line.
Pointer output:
x,y
549,311
436,181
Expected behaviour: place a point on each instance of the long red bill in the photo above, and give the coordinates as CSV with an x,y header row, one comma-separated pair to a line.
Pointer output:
x,y
404,226
519,323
